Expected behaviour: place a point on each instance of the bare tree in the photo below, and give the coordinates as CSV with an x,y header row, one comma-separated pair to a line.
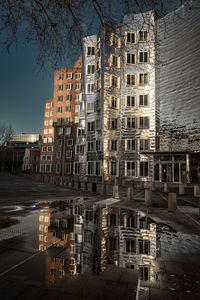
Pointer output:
x,y
57,27
5,133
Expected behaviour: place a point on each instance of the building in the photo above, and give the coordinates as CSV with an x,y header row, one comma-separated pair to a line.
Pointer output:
x,y
61,112
31,160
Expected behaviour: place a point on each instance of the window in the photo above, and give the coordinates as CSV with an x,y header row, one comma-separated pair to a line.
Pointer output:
x,y
50,122
80,149
77,86
59,143
46,122
115,40
90,146
45,131
41,227
90,69
90,50
130,80
114,61
67,108
49,148
91,126
77,167
60,87
46,114
144,144
130,145
58,154
143,100
67,120
51,113
68,86
48,105
76,108
143,78
112,244
68,97
143,57
61,273
90,107
130,246
59,120
48,157
43,157
98,168
77,76
144,273
130,168
68,154
113,168
113,145
130,38
87,235
44,149
52,271
68,168
90,167
113,102
68,130
60,76
76,119
77,97
90,88
130,122
98,145
113,123
41,218
69,76
69,142
41,237
59,109
130,58
51,131
50,140
143,36
59,130
144,247
114,81
144,169
144,122
46,219
130,101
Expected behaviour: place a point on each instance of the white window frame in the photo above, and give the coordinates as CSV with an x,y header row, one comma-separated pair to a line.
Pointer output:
x,y
132,33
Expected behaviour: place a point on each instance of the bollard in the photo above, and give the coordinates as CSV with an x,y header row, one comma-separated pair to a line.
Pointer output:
x,y
94,187
130,194
116,191
171,202
165,187
196,190
148,197
104,189
153,186
181,189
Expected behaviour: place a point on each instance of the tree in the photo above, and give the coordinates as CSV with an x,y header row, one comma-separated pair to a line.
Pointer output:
x,y
5,133
58,26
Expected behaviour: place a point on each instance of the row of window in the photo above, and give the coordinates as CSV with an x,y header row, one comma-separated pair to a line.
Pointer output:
x,y
47,149
46,157
69,86
48,122
48,131
49,105
48,113
69,76
68,108
130,123
130,59
68,97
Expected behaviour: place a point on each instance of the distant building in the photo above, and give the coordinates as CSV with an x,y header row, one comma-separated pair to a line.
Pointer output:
x,y
61,111
31,160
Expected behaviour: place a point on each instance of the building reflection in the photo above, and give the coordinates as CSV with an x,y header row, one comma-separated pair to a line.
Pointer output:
x,y
78,237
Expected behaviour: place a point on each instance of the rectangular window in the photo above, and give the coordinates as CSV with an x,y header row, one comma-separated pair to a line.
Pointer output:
x,y
90,168
68,130
60,76
90,50
130,145
50,131
69,142
67,108
45,131
76,108
69,76
68,154
68,97
98,168
77,76
59,120
144,169
77,168
114,81
59,109
144,144
114,61
47,114
113,102
68,168
144,273
90,107
91,126
59,130
90,69
48,105
90,146
58,168
68,86
130,101
115,40
113,123
58,154
130,168
60,87
143,57
46,122
143,100
80,149
130,38
130,58
113,145
130,80
130,246
77,97
113,168
143,36
59,142
98,145
143,122
77,86
143,78
51,113
90,88
130,122
67,120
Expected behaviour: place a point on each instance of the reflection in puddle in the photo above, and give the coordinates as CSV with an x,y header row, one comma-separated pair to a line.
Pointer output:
x,y
77,236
